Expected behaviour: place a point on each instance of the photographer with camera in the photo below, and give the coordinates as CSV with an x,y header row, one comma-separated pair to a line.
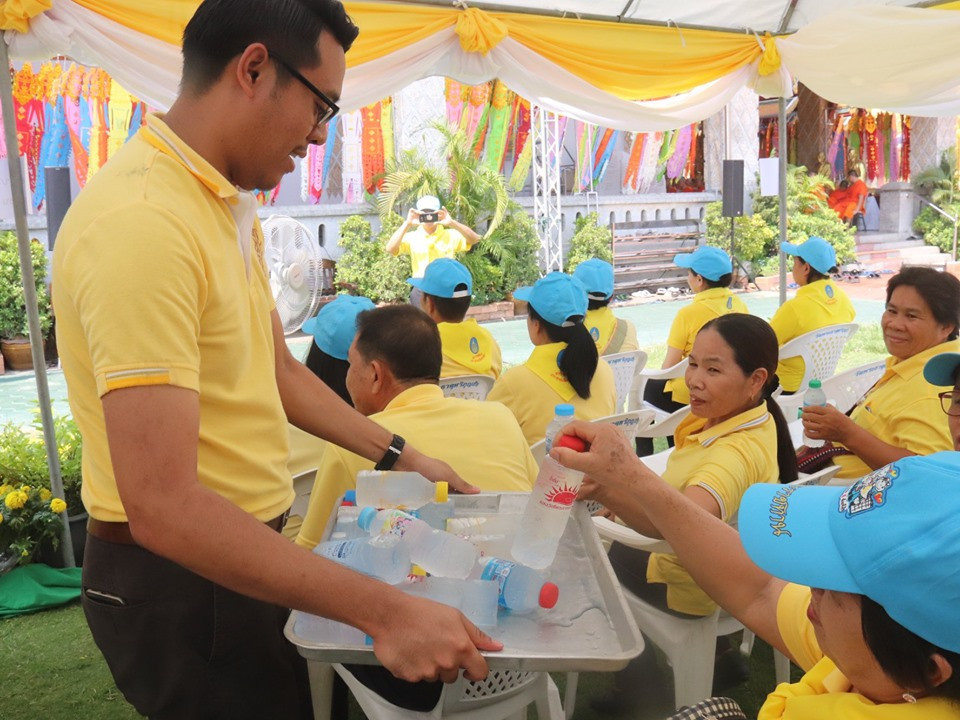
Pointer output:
x,y
427,233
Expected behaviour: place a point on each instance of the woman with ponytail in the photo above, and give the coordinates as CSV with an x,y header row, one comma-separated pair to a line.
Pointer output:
x,y
564,366
735,436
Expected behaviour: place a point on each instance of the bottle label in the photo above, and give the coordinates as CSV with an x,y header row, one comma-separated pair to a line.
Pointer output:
x,y
340,550
498,571
396,523
561,492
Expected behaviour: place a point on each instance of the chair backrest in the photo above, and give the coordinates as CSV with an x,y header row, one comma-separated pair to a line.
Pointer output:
x,y
820,350
625,366
302,486
664,427
629,423
674,371
467,387
844,390
497,686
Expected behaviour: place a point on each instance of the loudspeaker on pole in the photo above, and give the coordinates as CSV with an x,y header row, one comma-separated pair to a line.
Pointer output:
x,y
732,188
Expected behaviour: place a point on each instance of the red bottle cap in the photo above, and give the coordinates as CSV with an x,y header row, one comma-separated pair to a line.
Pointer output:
x,y
548,595
572,442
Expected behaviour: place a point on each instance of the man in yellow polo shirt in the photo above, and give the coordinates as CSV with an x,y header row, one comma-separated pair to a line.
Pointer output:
x,y
182,386
394,370
468,349
819,302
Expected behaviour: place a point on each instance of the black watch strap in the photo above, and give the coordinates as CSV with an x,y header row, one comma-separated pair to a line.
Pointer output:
x,y
392,454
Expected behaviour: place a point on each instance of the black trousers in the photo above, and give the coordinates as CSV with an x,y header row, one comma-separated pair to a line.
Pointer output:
x,y
655,393
182,647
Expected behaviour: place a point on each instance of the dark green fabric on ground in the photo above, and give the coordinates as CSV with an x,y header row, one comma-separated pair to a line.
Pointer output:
x,y
37,587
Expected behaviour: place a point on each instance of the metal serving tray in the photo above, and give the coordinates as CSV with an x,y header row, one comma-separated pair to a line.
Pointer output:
x,y
590,628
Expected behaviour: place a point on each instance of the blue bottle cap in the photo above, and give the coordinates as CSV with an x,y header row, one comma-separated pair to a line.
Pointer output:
x,y
564,409
365,519
350,497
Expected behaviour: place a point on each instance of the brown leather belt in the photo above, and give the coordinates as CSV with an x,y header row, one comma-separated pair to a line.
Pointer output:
x,y
119,532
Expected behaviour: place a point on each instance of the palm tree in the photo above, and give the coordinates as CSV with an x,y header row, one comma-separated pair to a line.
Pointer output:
x,y
939,183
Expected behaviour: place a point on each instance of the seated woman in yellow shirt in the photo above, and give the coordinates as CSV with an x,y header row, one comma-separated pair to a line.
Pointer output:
x,y
611,334
564,366
873,623
709,272
735,436
900,415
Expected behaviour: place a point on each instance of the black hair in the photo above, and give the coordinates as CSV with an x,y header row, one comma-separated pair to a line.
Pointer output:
x,y
596,304
220,30
754,345
579,359
451,310
814,275
721,282
333,371
904,656
939,290
402,337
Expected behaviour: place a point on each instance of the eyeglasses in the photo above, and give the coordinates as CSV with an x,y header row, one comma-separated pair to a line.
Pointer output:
x,y
950,402
321,115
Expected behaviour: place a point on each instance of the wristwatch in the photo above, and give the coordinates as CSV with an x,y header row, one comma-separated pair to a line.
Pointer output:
x,y
392,454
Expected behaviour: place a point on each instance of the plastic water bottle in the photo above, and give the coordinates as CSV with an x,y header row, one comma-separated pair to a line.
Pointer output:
x,y
397,489
476,599
435,514
436,551
520,589
815,396
548,510
385,557
562,416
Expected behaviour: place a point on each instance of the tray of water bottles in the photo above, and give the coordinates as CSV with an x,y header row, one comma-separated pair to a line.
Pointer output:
x,y
583,623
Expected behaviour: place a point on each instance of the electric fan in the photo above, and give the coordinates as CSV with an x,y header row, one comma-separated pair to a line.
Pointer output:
x,y
295,265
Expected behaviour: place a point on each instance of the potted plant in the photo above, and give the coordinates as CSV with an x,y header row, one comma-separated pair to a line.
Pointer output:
x,y
14,329
29,518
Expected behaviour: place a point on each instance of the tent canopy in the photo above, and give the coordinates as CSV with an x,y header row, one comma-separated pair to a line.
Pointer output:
x,y
625,64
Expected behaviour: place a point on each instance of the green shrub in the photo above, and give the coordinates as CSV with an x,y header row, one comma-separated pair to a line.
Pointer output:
x,y
367,266
590,240
935,228
13,308
754,238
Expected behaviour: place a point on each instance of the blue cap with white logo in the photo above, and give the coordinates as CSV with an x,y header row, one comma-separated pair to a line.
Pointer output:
x,y
816,252
893,536
597,277
335,325
446,278
558,298
708,261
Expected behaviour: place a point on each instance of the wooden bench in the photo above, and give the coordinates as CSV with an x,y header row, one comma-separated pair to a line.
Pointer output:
x,y
643,253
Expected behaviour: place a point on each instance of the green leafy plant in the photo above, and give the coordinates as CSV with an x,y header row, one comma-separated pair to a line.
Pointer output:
x,y
29,517
590,240
13,308
939,183
365,267
935,228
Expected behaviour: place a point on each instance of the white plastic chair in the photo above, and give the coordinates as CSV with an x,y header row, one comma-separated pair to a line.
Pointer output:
x,y
629,422
626,367
467,387
502,694
820,351
665,425
302,486
674,371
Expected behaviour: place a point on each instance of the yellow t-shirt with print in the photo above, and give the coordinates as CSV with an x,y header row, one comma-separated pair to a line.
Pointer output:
x,y
824,692
480,440
423,247
706,306
724,460
534,389
158,279
468,349
816,305
602,324
902,409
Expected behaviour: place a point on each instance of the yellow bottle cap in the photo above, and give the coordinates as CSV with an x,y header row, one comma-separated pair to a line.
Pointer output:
x,y
417,570
441,491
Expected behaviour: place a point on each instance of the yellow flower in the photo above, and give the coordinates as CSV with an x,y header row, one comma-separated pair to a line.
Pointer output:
x,y
45,494
24,488
4,489
58,505
1,518
16,500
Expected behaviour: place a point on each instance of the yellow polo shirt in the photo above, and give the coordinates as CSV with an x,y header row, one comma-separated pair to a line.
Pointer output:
x,y
602,324
902,409
816,305
824,691
468,349
724,460
480,440
424,248
706,306
158,279
532,399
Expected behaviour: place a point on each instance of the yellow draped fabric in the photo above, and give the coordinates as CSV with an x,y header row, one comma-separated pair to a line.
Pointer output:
x,y
16,14
479,31
770,60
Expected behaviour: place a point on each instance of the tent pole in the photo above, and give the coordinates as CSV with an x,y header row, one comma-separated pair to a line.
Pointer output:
x,y
30,294
782,166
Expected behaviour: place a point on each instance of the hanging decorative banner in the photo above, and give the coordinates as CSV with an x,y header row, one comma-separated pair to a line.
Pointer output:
x,y
352,157
452,91
386,127
373,161
501,104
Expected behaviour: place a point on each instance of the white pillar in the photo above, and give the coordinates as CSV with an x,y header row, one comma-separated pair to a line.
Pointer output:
x,y
744,124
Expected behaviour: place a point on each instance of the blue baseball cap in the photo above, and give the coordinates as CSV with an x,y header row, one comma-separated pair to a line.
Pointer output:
x,y
816,251
335,325
942,369
558,298
708,261
596,275
893,536
442,278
